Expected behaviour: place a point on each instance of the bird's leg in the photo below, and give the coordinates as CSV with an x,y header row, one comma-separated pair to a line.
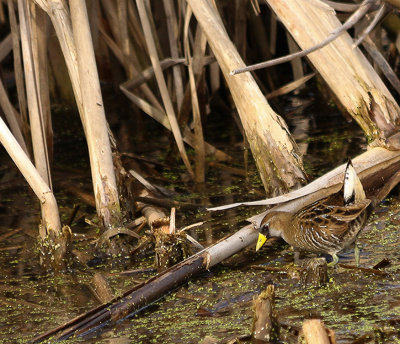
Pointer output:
x,y
335,260
357,249
297,257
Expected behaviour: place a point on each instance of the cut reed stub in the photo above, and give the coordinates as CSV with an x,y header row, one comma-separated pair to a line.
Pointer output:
x,y
314,272
315,332
264,325
170,248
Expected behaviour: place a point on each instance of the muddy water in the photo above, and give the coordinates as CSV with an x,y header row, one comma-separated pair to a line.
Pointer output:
x,y
216,303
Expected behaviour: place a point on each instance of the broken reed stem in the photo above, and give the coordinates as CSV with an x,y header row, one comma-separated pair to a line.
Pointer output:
x,y
103,177
151,45
274,151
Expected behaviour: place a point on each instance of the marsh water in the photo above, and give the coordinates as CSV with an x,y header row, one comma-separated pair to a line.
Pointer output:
x,y
359,306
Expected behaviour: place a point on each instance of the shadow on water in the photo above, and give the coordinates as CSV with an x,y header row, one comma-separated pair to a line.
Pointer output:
x,y
218,302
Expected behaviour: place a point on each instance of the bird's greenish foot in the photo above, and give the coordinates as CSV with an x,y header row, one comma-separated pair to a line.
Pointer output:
x,y
335,260
357,250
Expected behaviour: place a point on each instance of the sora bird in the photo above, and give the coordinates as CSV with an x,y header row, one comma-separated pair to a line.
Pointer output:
x,y
326,226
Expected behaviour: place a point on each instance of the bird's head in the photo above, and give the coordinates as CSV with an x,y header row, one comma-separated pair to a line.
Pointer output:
x,y
263,235
271,226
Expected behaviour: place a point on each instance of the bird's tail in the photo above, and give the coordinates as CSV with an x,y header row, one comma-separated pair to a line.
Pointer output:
x,y
353,190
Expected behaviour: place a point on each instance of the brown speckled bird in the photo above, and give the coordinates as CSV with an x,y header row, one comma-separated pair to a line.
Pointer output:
x,y
326,226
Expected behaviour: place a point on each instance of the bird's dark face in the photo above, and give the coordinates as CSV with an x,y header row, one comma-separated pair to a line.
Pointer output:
x,y
263,235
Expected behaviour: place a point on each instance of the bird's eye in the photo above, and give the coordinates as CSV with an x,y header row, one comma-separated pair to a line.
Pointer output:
x,y
264,228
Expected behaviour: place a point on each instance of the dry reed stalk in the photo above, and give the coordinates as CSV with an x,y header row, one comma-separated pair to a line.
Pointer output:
x,y
369,164
130,63
240,25
119,55
113,46
381,62
199,48
59,15
59,82
150,40
51,220
345,69
5,46
40,29
198,129
18,72
94,20
273,29
273,149
2,14
215,80
297,67
11,117
11,114
291,86
122,9
135,28
103,177
116,13
148,73
54,239
153,6
161,117
173,36
36,118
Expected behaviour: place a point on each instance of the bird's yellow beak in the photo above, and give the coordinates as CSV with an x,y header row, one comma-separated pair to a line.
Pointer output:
x,y
261,240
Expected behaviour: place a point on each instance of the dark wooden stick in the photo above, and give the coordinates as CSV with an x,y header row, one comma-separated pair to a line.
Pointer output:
x,y
134,300
153,289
